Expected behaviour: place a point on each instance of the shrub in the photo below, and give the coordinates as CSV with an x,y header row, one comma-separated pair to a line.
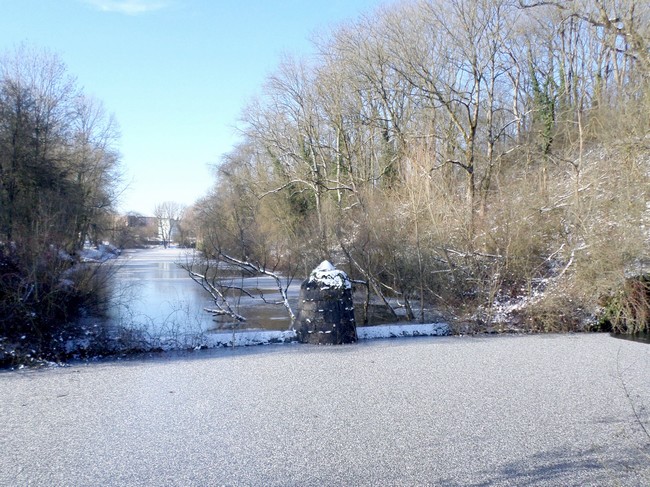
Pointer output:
x,y
628,309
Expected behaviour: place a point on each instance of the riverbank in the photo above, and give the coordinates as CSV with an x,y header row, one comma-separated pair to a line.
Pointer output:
x,y
252,337
156,306
490,410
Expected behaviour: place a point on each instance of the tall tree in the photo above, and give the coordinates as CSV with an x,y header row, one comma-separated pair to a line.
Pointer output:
x,y
168,214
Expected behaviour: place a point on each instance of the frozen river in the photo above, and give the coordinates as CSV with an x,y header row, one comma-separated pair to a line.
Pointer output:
x,y
545,410
154,293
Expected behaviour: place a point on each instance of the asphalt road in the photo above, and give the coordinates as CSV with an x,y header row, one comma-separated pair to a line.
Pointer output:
x,y
557,410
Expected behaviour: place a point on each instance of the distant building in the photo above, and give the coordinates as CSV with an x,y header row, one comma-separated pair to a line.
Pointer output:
x,y
144,229
151,230
135,221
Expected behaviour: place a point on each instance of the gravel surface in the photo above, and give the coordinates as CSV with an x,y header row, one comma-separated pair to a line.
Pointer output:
x,y
560,410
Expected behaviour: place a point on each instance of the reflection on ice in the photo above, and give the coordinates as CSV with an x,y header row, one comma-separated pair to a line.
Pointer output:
x,y
154,293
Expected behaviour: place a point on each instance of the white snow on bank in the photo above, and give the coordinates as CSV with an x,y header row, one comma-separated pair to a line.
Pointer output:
x,y
393,331
329,277
246,338
100,254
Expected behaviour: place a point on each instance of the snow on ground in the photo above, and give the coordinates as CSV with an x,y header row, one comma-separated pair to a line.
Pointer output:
x,y
199,340
246,338
396,330
266,337
102,253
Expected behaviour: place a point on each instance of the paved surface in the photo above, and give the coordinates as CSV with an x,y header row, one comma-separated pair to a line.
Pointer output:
x,y
537,410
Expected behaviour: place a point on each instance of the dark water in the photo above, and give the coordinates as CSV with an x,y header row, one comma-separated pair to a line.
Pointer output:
x,y
635,337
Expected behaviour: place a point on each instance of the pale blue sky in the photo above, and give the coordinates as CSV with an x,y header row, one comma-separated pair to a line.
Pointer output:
x,y
176,73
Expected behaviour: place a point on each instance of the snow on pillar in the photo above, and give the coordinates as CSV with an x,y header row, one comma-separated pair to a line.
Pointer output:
x,y
325,308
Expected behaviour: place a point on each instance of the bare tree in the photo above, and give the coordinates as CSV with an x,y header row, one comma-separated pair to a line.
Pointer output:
x,y
58,173
627,22
169,214
443,149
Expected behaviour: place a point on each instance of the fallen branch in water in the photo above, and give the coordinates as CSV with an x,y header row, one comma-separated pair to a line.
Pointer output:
x,y
260,269
218,291
223,308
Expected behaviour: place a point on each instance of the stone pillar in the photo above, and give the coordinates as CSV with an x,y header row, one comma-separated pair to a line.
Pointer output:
x,y
325,308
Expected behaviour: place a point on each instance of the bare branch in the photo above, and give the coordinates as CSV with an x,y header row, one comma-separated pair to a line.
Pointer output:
x,y
262,270
223,307
284,186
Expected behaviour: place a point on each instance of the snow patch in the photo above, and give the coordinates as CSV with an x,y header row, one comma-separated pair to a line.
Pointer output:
x,y
326,276
324,266
246,338
102,253
393,331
